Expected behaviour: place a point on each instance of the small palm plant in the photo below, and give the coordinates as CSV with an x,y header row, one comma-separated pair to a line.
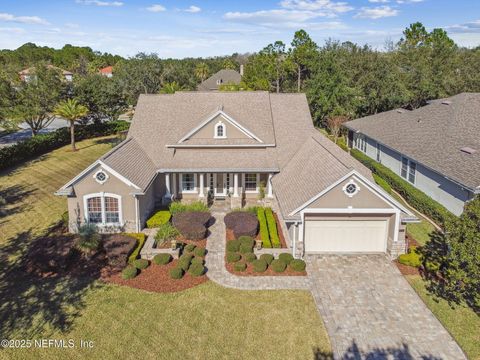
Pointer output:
x,y
170,88
72,111
201,71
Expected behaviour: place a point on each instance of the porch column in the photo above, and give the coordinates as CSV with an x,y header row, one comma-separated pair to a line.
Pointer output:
x,y
168,194
174,183
201,193
235,185
270,190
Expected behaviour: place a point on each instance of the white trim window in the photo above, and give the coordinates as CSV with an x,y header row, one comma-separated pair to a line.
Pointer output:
x,y
408,170
188,183
251,182
360,143
220,131
379,153
103,209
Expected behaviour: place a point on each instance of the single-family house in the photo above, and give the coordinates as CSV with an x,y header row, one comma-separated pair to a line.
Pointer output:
x,y
29,73
106,71
222,77
436,148
232,147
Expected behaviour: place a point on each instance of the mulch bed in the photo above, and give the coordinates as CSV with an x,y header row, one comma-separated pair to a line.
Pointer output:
x,y
269,272
407,270
156,278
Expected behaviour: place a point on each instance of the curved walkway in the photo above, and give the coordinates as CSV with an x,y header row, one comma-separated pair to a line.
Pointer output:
x,y
215,263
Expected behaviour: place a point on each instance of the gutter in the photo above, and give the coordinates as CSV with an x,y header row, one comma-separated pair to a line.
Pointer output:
x,y
217,170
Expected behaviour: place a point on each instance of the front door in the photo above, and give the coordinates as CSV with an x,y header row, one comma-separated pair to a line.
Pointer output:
x,y
220,184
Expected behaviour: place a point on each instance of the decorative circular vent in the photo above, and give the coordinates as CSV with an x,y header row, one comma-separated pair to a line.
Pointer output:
x,y
100,176
351,188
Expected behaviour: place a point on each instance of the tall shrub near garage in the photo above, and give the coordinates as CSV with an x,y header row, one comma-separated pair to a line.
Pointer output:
x,y
272,228
263,228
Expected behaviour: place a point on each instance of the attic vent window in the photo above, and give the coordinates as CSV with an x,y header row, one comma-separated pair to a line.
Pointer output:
x,y
468,150
219,82
220,131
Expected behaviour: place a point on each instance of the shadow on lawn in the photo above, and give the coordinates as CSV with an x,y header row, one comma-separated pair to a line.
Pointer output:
x,y
10,200
391,353
30,304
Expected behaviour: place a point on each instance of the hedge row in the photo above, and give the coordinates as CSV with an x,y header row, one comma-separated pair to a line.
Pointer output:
x,y
263,228
140,237
158,218
412,195
272,228
43,143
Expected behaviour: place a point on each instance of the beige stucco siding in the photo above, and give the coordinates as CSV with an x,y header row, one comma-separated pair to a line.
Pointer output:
x,y
208,131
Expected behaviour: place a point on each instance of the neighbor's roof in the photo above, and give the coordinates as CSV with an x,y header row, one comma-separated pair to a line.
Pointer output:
x,y
107,70
32,69
315,166
433,135
225,76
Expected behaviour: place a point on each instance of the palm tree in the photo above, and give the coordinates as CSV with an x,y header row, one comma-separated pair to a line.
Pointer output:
x,y
201,71
170,88
72,111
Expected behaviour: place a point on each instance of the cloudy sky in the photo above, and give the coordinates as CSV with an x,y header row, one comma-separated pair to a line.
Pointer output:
x,y
207,28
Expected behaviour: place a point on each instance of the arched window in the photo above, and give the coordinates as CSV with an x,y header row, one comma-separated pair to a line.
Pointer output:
x,y
220,131
103,209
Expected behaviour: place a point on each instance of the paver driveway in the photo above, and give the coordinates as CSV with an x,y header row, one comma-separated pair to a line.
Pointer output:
x,y
371,311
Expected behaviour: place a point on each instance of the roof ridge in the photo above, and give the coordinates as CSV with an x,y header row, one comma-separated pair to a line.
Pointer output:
x,y
104,156
330,152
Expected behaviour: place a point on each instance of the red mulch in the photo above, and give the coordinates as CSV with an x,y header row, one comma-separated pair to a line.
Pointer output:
x,y
156,278
269,272
407,270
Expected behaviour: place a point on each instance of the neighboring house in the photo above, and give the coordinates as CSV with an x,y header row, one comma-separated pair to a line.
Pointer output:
x,y
107,71
29,74
436,147
226,146
223,77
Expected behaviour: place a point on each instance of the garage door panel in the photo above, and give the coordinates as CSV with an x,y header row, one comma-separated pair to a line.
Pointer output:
x,y
344,236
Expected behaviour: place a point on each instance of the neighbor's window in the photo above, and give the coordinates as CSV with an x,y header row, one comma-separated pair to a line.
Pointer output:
x,y
251,182
378,153
94,206
103,210
404,170
188,182
360,143
412,172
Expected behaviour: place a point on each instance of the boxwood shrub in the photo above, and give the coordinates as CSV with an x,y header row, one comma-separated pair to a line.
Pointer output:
x,y
250,257
200,252
196,269
176,273
259,265
190,247
268,258
246,240
233,245
233,257
240,266
162,259
382,183
184,261
198,260
262,220
158,218
129,272
246,248
140,237
278,265
141,263
298,265
286,258
272,228
411,194
412,258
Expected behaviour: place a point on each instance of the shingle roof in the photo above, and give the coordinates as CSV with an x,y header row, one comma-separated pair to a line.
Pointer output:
x,y
32,69
433,135
225,76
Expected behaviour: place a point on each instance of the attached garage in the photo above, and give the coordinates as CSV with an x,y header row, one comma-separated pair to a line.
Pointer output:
x,y
346,236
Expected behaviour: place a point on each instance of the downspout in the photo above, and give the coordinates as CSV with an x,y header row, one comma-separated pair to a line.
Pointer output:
x,y
137,210
295,233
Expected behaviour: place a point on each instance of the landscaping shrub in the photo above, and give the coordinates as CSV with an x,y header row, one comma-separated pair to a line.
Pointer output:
x,y
382,183
197,260
233,257
412,195
268,258
118,247
233,245
196,269
272,228
176,273
140,263
286,258
140,237
246,240
158,218
278,265
192,231
184,261
197,217
240,266
88,239
235,217
412,258
245,248
298,265
162,259
190,247
249,257
166,232
200,252
262,220
43,143
129,272
248,227
259,265
177,207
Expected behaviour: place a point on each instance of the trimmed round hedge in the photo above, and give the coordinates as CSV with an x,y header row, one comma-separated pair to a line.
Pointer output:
x,y
195,217
192,231
268,258
162,259
233,257
250,257
176,273
247,241
129,272
240,266
233,245
298,265
286,258
246,248
278,265
259,265
242,223
141,263
196,269
200,251
197,260
184,261
190,247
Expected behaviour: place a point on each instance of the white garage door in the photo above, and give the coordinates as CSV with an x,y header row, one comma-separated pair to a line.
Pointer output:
x,y
368,236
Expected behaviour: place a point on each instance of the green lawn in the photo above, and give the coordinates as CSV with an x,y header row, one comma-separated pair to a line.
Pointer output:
x,y
461,322
208,321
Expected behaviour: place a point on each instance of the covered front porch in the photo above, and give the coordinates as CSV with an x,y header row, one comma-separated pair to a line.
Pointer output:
x,y
239,187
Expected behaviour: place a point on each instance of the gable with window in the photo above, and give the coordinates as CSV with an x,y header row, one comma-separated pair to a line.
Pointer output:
x,y
408,170
103,209
220,131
